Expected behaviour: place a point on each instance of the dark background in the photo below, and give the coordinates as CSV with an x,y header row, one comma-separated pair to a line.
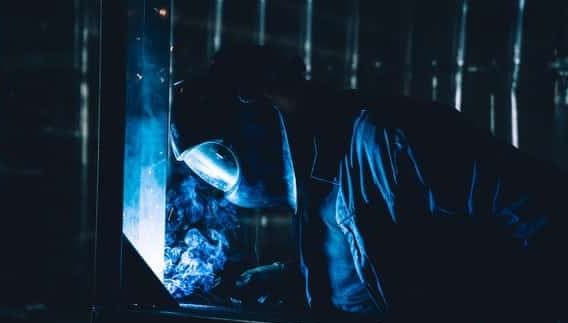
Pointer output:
x,y
48,103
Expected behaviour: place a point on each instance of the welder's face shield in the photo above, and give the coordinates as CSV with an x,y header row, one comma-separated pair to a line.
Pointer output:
x,y
215,163
249,159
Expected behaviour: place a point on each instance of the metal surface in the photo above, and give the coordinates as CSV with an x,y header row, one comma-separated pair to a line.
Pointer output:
x,y
147,114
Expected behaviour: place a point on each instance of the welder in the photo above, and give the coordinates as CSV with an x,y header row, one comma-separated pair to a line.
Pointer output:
x,y
403,209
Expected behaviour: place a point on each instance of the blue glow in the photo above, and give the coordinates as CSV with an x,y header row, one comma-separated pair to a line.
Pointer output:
x,y
144,189
146,144
196,238
290,174
214,163
145,166
194,265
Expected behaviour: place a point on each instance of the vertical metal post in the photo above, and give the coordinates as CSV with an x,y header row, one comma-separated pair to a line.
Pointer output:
x,y
307,38
561,114
218,26
561,98
492,112
111,118
81,64
460,54
517,47
261,21
434,80
560,66
352,46
171,72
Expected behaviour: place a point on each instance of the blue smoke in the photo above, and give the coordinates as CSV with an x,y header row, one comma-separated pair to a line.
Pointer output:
x,y
197,246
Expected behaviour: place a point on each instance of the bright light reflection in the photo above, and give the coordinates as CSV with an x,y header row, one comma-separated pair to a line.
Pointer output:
x,y
308,39
214,163
514,121
218,24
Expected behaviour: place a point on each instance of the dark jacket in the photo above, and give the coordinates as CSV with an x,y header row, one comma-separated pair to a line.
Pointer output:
x,y
440,218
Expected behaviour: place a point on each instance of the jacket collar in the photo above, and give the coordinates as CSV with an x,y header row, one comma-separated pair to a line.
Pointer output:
x,y
325,162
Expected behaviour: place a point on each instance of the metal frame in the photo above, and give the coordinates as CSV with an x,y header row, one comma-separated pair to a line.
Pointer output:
x,y
110,140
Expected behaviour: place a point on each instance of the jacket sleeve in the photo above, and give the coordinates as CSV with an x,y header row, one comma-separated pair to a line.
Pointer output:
x,y
428,218
368,177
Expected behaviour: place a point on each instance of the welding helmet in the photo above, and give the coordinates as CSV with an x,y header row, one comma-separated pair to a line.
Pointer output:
x,y
237,144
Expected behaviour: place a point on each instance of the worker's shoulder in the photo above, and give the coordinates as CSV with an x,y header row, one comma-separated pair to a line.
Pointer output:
x,y
398,111
337,112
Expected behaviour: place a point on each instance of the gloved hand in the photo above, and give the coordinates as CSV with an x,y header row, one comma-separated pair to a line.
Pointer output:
x,y
263,285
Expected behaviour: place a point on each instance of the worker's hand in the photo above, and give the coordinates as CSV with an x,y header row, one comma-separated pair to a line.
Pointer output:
x,y
263,284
